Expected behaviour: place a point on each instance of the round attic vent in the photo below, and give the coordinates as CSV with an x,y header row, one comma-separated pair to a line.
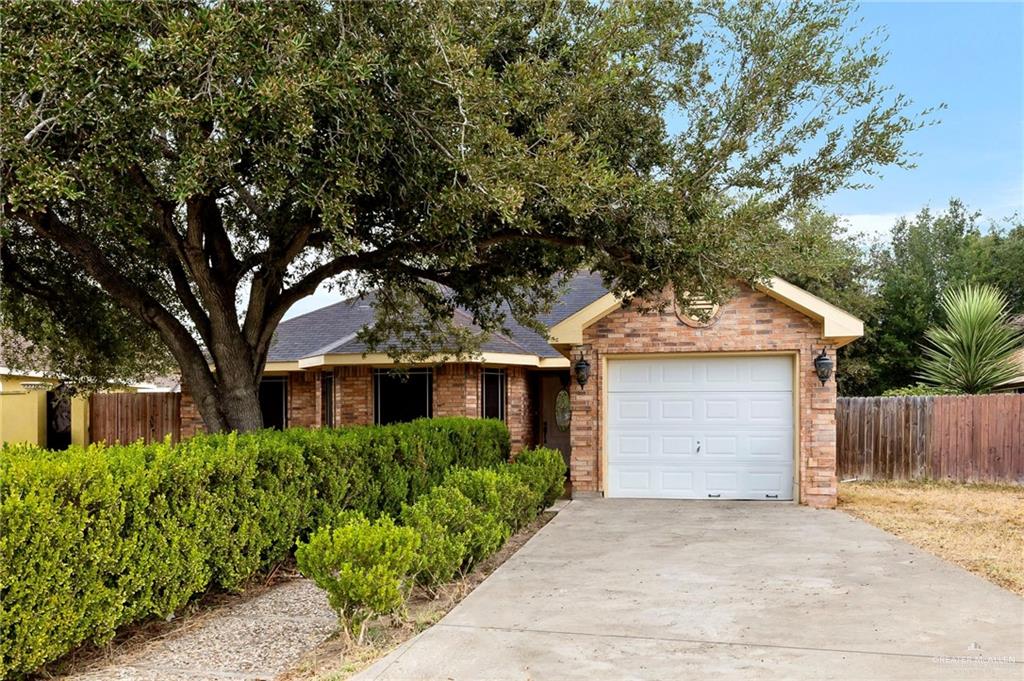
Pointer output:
x,y
700,313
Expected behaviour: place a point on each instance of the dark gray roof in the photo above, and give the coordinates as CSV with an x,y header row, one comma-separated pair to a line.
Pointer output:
x,y
581,290
314,333
333,329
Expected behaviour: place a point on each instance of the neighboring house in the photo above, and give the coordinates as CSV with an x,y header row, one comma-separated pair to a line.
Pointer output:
x,y
1016,384
731,408
32,410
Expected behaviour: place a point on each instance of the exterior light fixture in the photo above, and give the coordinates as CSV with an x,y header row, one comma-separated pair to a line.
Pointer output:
x,y
582,370
823,365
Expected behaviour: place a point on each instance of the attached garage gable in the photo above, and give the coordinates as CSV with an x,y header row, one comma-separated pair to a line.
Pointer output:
x,y
701,427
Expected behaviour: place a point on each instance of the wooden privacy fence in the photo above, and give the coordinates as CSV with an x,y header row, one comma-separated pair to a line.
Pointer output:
x,y
127,417
972,438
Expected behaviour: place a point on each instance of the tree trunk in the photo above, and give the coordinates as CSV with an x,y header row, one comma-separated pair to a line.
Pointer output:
x,y
241,406
227,398
227,406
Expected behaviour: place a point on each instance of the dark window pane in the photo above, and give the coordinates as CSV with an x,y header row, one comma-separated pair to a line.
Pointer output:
x,y
492,394
58,420
327,399
401,397
274,402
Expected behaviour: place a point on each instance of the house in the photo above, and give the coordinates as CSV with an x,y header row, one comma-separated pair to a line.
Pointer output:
x,y
674,406
33,408
1016,384
33,411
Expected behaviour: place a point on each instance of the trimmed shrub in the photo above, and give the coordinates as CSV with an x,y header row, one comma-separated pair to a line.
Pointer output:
x,y
547,466
446,522
363,566
94,539
458,523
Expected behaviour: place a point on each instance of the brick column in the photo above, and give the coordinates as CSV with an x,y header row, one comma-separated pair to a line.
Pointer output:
x,y
818,482
354,396
191,421
517,408
584,431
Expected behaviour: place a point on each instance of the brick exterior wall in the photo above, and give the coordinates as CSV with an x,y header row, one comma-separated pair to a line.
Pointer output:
x,y
191,420
519,413
303,389
457,390
751,321
353,396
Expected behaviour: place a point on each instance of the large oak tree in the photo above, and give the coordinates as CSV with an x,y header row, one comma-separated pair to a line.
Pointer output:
x,y
182,172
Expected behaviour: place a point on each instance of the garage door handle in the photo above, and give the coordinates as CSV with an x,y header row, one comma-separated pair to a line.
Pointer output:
x,y
714,496
771,496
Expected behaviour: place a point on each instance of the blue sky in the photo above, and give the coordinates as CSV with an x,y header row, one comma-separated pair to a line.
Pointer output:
x,y
971,57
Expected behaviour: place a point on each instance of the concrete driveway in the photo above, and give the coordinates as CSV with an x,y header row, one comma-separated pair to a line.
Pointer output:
x,y
622,589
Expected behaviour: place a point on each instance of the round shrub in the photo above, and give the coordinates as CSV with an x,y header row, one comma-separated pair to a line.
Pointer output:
x,y
364,566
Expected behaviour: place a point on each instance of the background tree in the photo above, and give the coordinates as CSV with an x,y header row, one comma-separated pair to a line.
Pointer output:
x,y
928,255
819,255
973,351
202,166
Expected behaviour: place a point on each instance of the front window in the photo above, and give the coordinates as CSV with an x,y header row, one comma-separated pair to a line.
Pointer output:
x,y
327,399
274,402
402,396
492,394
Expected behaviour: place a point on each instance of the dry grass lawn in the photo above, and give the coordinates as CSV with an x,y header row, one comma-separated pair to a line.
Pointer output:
x,y
979,527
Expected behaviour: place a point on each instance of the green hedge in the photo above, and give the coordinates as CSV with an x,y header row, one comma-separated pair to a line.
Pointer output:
x,y
365,567
94,539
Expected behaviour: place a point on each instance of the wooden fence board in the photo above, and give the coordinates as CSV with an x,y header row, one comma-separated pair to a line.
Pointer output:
x,y
127,417
967,438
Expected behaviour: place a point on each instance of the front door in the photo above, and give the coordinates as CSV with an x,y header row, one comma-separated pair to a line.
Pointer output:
x,y
554,422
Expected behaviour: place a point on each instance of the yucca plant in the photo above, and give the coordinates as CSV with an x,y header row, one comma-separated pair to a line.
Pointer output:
x,y
974,351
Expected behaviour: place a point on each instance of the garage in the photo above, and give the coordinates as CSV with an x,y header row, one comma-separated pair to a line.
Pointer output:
x,y
701,427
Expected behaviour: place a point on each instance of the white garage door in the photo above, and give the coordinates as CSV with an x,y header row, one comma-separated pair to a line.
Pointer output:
x,y
699,428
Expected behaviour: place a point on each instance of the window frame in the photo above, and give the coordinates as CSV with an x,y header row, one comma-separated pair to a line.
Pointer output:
x,y
327,399
422,371
501,374
286,388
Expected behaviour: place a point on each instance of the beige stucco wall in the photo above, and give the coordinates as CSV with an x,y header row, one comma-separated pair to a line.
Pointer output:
x,y
23,412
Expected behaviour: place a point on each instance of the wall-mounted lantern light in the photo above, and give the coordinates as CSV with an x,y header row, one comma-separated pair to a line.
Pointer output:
x,y
823,365
582,370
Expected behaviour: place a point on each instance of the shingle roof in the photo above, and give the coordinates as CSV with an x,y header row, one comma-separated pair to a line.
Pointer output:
x,y
333,329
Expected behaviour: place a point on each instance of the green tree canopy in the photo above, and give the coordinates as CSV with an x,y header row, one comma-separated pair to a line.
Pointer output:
x,y
201,166
818,254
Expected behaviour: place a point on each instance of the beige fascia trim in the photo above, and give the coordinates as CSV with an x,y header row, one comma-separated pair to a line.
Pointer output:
x,y
384,360
275,367
838,326
569,331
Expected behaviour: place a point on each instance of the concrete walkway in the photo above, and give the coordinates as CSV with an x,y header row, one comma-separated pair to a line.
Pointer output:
x,y
256,639
616,589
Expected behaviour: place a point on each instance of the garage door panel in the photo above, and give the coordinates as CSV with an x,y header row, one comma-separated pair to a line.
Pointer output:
x,y
630,481
770,483
718,427
722,481
635,409
676,445
652,445
677,410
634,445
